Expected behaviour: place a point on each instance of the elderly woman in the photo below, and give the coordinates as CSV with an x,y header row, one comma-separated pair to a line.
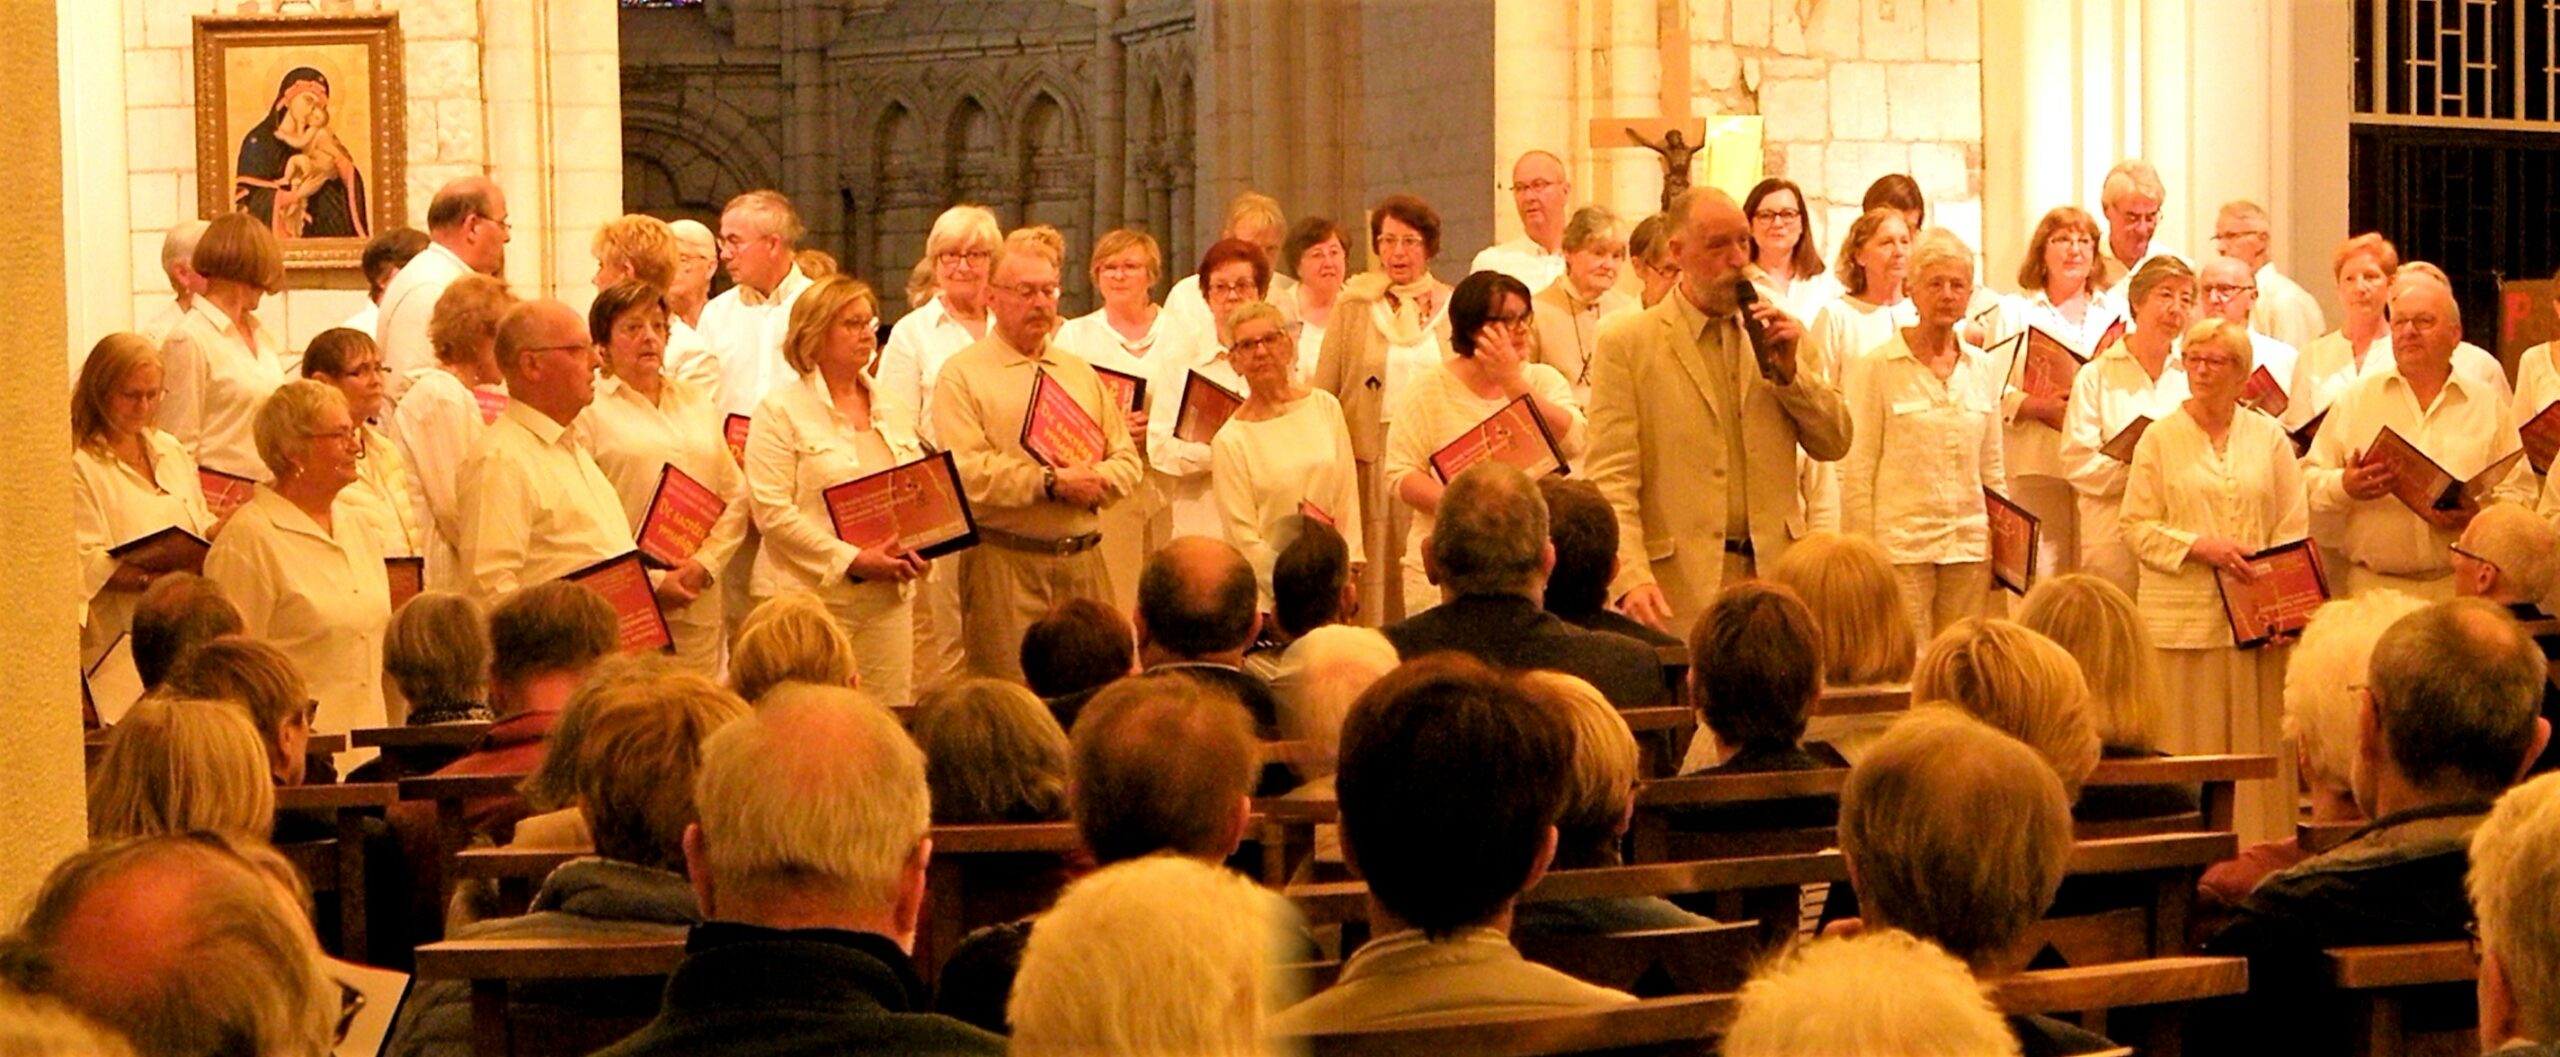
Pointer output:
x,y
1393,325
1649,249
1233,273
2062,285
636,246
306,578
128,481
438,657
1319,678
440,417
790,638
2141,377
1132,335
992,753
2210,486
1925,443
1317,256
962,249
179,765
645,422
1874,260
813,433
1569,309
221,360
1599,801
2022,684
243,671
1285,451
1783,247
384,497
1490,338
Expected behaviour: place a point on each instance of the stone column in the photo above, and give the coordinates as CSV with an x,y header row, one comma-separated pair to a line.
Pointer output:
x,y
1110,86
808,137
43,799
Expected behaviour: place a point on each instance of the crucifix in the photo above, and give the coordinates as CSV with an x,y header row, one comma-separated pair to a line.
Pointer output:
x,y
1679,134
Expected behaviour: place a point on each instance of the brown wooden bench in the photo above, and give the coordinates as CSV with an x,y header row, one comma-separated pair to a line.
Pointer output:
x,y
983,875
411,750
334,868
2219,777
1651,963
451,794
502,1028
2157,990
513,874
1680,1025
1862,702
2384,985
1662,737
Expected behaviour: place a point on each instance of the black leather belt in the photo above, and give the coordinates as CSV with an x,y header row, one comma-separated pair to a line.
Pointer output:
x,y
1732,545
1056,548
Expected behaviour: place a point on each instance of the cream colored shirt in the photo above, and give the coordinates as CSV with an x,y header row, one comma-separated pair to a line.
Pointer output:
x,y
799,447
320,595
2180,490
2466,429
408,305
1536,266
1438,407
1403,980
534,506
113,504
1265,469
744,331
2035,449
1840,332
2537,387
1308,334
1182,466
2328,364
980,400
2110,393
633,441
2285,311
1568,326
157,327
216,373
1091,337
690,357
1921,450
438,425
911,364
384,499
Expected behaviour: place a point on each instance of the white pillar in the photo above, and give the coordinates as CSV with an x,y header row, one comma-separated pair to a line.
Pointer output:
x,y
99,201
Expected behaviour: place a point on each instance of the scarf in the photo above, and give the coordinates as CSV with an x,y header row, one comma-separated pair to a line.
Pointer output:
x,y
1409,308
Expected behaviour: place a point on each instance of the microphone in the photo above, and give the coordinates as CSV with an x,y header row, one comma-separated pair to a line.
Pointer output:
x,y
1744,296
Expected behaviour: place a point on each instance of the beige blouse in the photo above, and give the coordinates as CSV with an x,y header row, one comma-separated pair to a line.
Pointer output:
x,y
2180,489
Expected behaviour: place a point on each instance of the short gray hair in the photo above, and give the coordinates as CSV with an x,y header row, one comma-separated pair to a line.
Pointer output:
x,y
2128,177
2521,543
1941,248
1491,531
2321,707
2457,686
1161,954
2515,865
1956,832
774,214
819,786
1589,223
284,423
1793,1007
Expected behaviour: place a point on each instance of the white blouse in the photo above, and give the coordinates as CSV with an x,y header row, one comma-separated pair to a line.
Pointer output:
x,y
1436,408
113,504
1265,469
1921,451
437,425
2035,449
799,447
2110,393
919,345
2180,490
217,374
384,499
634,441
319,595
1183,465
2537,387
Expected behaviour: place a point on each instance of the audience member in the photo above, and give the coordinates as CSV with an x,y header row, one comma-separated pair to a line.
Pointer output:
x,y
809,861
1599,804
2096,622
1196,615
1755,662
2513,873
182,765
543,640
438,657
177,613
1322,673
553,788
1156,955
1585,534
1451,784
790,638
1849,585
1074,650
992,753
1490,554
2511,556
1794,1006
1312,583
2021,684
263,682
188,944
36,1026
1956,834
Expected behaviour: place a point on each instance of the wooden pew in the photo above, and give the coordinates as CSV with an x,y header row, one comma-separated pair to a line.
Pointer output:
x,y
404,749
1862,702
983,875
451,794
2156,991
501,1028
1662,738
2385,986
1678,1025
2218,775
1652,963
334,868
513,873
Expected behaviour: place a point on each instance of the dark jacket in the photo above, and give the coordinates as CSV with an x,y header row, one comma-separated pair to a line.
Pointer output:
x,y
1509,631
1252,691
1802,812
1617,623
2041,1036
746,991
2528,612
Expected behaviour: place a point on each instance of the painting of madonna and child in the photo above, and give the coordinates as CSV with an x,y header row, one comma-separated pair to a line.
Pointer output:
x,y
300,113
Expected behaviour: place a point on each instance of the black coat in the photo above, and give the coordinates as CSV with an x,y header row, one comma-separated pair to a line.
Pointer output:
x,y
744,990
1509,631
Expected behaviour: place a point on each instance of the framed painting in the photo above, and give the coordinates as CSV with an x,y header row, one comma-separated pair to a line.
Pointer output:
x,y
299,122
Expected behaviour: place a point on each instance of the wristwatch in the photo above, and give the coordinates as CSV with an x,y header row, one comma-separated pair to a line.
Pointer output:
x,y
1049,482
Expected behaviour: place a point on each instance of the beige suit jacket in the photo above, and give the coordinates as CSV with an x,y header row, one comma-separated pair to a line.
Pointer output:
x,y
1658,449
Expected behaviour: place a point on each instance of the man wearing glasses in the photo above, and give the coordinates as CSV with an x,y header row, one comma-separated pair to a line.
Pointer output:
x,y
2231,293
2511,556
2285,311
534,504
1538,192
467,231
744,327
2131,198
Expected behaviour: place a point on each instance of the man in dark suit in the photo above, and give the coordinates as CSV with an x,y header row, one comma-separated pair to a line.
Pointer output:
x,y
1585,532
1198,611
1489,552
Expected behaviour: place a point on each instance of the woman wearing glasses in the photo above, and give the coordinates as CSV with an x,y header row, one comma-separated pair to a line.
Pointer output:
x,y
1132,335
2210,486
128,481
384,497
1489,333
2063,300
1285,454
961,249
1390,325
305,572
1232,273
1782,245
2140,377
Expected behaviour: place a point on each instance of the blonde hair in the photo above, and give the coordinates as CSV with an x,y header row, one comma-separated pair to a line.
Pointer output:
x,y
818,790
285,421
2515,866
637,757
642,243
2020,683
237,247
1255,206
248,672
2322,710
992,753
962,228
1036,240
1853,276
790,638
1849,584
1601,782
1939,248
815,312
464,327
1251,311
1321,675
34,1025
110,361
438,649
1155,955
1955,832
2129,177
1122,240
177,765
773,213
2232,337
1795,1006
2100,626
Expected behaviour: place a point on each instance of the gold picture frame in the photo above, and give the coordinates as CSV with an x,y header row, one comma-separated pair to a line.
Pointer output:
x,y
315,107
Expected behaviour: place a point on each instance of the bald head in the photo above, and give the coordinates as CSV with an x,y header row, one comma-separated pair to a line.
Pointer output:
x,y
2508,554
2230,289
1539,189
469,217
544,351
1197,601
2455,709
1162,762
1711,243
2426,323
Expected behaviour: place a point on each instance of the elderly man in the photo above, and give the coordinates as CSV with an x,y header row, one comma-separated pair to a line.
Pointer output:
x,y
177,248
2511,556
177,613
467,231
1585,533
1256,218
1095,981
185,944
2285,311
2230,291
744,328
1038,523
2450,721
809,861
534,505
2131,198
2513,874
1490,555
1159,764
1539,189
2448,414
1197,615
384,256
1696,425
697,255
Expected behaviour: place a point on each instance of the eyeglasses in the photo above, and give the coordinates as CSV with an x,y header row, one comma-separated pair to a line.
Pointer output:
x,y
2417,324
2233,236
1032,291
2228,291
1232,287
1122,267
1531,187
1778,216
364,371
1518,322
338,436
2076,241
1400,242
2458,551
956,258
1261,344
502,222
2221,362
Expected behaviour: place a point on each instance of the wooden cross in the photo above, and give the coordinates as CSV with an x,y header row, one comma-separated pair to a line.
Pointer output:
x,y
1677,120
